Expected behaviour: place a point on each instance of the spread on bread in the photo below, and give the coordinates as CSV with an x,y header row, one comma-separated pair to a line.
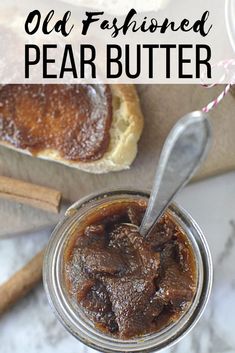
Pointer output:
x,y
72,119
94,128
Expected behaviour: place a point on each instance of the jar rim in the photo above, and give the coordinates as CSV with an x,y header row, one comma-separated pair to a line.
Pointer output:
x,y
82,328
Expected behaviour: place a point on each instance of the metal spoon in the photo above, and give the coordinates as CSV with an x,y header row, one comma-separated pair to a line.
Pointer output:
x,y
184,150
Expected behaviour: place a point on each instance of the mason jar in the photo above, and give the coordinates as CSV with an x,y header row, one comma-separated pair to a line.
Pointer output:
x,y
229,20
78,324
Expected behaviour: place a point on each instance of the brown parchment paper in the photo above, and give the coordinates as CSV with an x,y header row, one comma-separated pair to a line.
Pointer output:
x,y
162,106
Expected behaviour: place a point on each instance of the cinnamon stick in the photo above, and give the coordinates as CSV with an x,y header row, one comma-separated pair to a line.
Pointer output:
x,y
21,283
30,194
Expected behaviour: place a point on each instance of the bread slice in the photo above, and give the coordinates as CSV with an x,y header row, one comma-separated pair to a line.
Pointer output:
x,y
125,131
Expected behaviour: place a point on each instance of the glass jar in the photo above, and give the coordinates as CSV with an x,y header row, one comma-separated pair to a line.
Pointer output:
x,y
78,324
229,18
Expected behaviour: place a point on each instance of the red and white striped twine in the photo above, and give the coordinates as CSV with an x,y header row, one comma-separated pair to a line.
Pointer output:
x,y
226,65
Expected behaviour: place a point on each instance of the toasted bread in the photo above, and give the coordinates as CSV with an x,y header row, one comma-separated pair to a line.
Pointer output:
x,y
125,130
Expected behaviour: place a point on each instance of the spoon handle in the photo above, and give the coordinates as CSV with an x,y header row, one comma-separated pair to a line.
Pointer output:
x,y
185,148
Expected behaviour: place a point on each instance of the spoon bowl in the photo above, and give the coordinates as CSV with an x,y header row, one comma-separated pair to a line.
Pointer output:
x,y
183,152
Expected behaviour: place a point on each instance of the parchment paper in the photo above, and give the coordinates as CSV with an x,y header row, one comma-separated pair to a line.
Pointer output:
x,y
162,106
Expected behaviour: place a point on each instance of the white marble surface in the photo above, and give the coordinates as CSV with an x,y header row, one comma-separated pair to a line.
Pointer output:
x,y
32,327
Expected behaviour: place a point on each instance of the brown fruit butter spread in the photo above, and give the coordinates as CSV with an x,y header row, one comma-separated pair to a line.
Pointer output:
x,y
73,119
126,284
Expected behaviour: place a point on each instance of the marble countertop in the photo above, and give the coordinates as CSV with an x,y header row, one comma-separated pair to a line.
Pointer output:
x,y
32,327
